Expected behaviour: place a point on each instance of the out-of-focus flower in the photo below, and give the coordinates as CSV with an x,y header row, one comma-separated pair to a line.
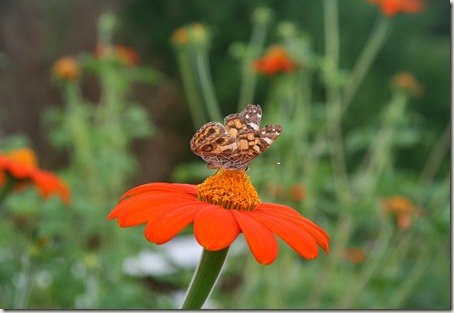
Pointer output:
x,y
298,192
121,53
401,208
222,207
276,60
392,7
21,168
66,68
180,36
406,82
354,255
193,33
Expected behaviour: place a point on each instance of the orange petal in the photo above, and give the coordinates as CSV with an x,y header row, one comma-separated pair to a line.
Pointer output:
x,y
142,208
169,222
296,237
288,214
174,189
260,239
215,228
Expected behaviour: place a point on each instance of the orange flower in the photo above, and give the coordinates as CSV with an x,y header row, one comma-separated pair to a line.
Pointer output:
x,y
222,207
406,82
21,166
275,60
66,68
354,255
392,7
401,208
122,53
298,192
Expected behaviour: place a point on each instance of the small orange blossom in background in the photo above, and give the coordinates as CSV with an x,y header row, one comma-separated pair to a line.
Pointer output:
x,y
66,68
406,82
392,7
222,207
276,60
20,167
401,208
122,53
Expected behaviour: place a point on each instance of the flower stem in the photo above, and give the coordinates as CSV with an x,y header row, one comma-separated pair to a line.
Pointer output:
x,y
7,188
204,278
366,58
206,85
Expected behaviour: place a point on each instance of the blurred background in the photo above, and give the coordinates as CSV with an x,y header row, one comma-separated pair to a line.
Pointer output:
x,y
364,152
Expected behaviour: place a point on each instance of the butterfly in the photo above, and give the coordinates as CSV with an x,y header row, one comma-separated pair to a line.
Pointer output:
x,y
236,143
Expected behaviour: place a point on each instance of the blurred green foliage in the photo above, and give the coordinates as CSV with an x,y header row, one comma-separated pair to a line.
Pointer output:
x,y
53,256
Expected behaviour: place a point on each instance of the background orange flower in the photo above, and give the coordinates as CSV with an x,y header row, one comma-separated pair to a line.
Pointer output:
x,y
21,166
275,60
392,7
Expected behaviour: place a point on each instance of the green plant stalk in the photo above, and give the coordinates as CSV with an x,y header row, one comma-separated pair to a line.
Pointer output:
x,y
78,127
436,156
333,100
7,188
206,85
410,281
369,268
24,286
380,151
204,278
248,77
366,58
191,89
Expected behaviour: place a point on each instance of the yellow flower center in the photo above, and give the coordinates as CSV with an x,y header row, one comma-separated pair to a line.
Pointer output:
x,y
230,189
23,155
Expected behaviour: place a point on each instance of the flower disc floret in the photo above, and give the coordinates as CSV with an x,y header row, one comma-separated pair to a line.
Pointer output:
x,y
231,189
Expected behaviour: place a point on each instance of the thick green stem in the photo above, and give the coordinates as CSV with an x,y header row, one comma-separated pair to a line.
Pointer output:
x,y
204,278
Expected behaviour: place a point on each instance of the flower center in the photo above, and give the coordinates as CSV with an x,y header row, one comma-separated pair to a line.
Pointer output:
x,y
231,189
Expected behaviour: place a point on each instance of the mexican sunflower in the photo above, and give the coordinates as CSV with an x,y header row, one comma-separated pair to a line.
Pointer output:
x,y
392,7
220,208
276,60
19,168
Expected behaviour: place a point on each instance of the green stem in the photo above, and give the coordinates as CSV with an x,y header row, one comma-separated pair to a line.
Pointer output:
x,y
254,49
435,158
206,84
7,188
369,269
366,58
333,99
204,278
190,87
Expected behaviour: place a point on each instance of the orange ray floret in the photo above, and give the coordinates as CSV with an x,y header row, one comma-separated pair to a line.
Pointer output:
x,y
21,167
276,60
392,7
169,208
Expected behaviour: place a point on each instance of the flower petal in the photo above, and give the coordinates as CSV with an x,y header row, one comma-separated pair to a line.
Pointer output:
x,y
170,221
215,228
140,208
293,216
293,234
174,189
260,239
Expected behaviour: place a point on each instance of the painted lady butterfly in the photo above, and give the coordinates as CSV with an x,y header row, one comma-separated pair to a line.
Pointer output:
x,y
236,143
